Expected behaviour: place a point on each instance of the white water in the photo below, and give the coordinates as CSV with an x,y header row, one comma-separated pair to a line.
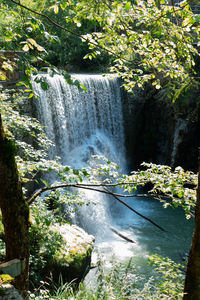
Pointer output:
x,y
85,123
180,128
82,124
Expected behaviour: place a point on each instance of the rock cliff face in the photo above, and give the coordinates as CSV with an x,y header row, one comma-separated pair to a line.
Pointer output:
x,y
160,131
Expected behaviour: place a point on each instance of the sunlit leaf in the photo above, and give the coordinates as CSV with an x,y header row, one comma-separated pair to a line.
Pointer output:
x,y
55,8
26,48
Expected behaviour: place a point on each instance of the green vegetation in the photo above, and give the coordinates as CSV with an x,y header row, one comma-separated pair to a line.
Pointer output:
x,y
121,283
143,42
5,278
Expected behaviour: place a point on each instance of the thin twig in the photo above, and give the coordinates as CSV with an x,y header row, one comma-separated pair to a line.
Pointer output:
x,y
78,185
136,212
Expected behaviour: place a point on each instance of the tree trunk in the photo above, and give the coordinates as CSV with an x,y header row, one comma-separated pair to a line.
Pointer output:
x,y
15,211
192,280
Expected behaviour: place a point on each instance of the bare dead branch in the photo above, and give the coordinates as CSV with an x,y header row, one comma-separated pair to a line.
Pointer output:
x,y
121,235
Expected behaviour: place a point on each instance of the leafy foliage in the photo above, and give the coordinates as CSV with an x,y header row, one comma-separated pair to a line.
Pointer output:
x,y
148,42
177,185
44,44
172,187
171,280
45,243
23,32
30,139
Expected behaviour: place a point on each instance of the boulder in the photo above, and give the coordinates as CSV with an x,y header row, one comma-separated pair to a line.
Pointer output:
x,y
72,262
8,292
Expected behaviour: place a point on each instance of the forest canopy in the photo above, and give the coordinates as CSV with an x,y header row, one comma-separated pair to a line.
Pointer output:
x,y
141,41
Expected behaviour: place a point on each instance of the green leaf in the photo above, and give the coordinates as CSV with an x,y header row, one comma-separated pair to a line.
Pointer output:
x,y
127,6
83,87
46,183
66,169
44,85
31,95
75,171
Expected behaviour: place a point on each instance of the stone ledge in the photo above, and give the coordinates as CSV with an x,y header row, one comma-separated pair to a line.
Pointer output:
x,y
13,267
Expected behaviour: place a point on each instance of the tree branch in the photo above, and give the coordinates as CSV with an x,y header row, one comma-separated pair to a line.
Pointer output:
x,y
89,186
92,188
121,235
136,212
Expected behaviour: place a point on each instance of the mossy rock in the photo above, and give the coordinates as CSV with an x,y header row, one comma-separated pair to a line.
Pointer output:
x,y
72,262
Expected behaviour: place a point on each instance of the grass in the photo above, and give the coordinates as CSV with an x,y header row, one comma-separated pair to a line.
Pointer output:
x,y
120,283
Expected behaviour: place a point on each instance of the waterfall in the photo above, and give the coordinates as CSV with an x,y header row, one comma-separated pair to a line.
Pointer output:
x,y
78,121
180,128
82,124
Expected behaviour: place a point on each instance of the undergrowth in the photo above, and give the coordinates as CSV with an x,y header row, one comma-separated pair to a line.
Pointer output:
x,y
120,283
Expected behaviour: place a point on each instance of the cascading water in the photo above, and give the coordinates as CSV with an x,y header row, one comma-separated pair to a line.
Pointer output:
x,y
180,128
78,122
86,123
82,124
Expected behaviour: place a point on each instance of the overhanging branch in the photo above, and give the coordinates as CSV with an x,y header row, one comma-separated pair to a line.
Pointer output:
x,y
89,186
94,187
132,209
